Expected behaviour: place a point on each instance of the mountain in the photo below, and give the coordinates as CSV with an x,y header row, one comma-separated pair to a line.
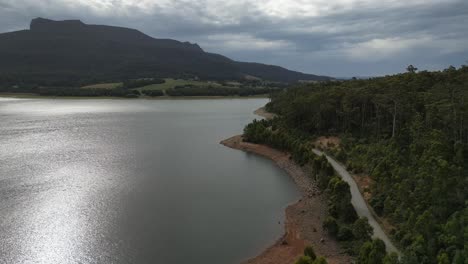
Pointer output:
x,y
69,49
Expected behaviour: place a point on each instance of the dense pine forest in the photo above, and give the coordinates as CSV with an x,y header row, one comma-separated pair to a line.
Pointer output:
x,y
409,134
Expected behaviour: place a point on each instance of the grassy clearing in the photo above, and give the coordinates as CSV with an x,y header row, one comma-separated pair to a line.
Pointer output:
x,y
171,83
103,86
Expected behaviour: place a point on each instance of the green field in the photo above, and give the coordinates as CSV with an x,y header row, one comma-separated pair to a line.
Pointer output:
x,y
150,88
171,83
103,86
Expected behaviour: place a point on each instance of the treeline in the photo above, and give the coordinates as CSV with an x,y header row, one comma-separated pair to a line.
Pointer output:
x,y
69,88
128,90
342,222
192,90
409,133
72,91
30,81
14,82
88,92
152,93
380,107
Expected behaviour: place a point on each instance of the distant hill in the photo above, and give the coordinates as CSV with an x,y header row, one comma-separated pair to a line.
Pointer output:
x,y
71,50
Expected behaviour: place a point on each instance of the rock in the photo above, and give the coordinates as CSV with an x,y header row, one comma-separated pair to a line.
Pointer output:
x,y
284,242
322,240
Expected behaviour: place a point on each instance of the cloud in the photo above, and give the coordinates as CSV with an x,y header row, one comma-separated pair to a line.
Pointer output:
x,y
380,49
386,48
339,37
245,42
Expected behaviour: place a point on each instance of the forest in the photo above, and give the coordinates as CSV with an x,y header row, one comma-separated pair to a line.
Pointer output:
x,y
190,90
407,132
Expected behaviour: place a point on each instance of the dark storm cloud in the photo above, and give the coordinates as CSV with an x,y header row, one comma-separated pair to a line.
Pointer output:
x,y
339,38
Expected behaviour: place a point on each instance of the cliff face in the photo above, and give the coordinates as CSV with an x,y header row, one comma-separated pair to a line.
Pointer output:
x,y
47,25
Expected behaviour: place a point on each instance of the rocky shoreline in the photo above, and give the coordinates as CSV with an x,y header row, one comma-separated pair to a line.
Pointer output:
x,y
303,223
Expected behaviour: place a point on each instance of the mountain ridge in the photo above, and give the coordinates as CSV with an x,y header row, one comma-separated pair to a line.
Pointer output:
x,y
71,49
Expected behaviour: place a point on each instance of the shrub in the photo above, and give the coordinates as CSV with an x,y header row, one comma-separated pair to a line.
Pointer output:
x,y
361,229
331,226
304,260
345,234
309,252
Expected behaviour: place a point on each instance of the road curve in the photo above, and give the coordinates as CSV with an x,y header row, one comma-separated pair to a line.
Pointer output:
x,y
357,200
359,203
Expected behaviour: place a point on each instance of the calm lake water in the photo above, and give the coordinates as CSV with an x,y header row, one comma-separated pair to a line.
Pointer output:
x,y
134,181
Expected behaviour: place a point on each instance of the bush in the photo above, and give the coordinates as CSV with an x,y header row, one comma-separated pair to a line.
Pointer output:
x,y
309,252
392,258
304,260
320,260
345,234
308,260
331,226
362,230
372,252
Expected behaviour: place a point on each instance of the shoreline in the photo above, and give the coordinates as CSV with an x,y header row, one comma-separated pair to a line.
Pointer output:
x,y
264,113
379,230
36,96
303,218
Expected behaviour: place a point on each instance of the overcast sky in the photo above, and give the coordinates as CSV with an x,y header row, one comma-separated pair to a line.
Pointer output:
x,y
331,37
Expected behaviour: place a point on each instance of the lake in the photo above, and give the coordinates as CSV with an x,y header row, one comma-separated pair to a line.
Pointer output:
x,y
134,181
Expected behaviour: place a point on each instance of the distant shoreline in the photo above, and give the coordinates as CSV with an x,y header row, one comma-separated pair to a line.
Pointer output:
x,y
36,96
303,223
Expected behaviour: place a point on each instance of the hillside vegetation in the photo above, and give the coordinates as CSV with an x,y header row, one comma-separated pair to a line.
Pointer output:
x,y
409,133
